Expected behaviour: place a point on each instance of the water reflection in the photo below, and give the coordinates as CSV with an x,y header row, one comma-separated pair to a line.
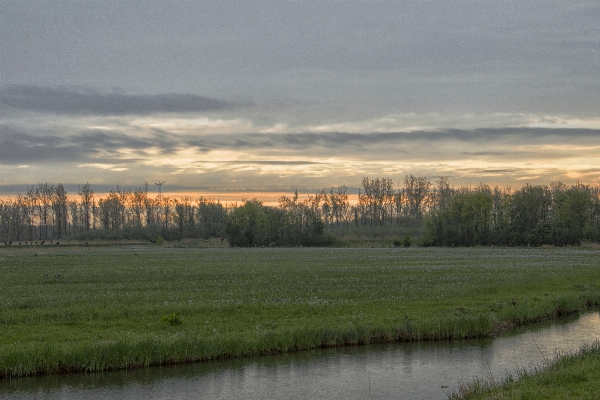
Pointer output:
x,y
407,370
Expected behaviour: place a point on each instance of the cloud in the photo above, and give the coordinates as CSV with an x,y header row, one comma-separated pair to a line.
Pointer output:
x,y
396,140
72,101
19,145
482,153
111,140
262,162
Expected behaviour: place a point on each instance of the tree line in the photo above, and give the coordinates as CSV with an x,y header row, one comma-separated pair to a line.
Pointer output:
x,y
45,212
441,214
533,215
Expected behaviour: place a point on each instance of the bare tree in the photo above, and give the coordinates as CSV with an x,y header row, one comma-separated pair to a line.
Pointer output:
x,y
137,202
87,199
185,215
376,198
417,192
167,208
343,204
74,212
45,195
443,193
314,202
29,208
5,220
399,204
59,205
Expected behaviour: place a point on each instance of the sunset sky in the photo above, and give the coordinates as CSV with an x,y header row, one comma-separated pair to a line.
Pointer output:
x,y
273,96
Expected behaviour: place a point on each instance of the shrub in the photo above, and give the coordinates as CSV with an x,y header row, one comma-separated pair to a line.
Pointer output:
x,y
172,319
425,240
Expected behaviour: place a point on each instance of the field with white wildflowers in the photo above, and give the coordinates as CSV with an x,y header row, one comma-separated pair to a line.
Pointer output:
x,y
99,308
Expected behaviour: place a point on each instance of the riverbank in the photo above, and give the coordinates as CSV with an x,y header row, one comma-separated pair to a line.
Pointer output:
x,y
104,308
567,376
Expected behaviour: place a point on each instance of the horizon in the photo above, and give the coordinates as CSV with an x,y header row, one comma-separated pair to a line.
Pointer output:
x,y
268,198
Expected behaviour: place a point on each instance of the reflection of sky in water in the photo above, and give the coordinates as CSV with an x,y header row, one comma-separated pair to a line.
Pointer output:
x,y
409,370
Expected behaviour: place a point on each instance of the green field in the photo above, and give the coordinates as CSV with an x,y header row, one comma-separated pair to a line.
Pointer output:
x,y
107,308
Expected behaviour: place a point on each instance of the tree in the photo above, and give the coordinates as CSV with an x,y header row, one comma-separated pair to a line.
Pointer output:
x,y
59,206
87,199
185,215
44,194
338,204
211,217
529,213
466,221
137,204
443,193
151,207
5,219
416,190
74,211
112,210
244,224
29,206
399,205
572,215
375,199
294,224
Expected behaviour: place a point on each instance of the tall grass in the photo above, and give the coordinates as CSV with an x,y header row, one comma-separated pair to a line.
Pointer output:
x,y
566,376
106,309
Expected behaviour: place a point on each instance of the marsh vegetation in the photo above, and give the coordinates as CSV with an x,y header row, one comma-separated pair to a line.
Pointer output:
x,y
571,375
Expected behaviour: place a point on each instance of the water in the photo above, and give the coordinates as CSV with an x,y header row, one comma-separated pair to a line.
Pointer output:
x,y
427,370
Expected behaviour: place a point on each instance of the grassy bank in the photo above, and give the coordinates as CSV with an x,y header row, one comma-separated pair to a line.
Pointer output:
x,y
103,308
569,376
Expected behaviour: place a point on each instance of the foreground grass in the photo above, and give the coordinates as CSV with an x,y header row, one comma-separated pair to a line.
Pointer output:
x,y
570,376
107,308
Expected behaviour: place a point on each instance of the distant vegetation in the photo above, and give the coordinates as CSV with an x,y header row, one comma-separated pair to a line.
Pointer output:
x,y
417,213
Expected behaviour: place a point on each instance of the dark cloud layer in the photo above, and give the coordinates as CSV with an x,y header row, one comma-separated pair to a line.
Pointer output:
x,y
417,56
334,140
20,146
261,162
71,101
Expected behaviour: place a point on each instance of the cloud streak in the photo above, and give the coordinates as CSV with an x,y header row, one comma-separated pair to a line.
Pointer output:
x,y
72,101
122,144
399,142
18,147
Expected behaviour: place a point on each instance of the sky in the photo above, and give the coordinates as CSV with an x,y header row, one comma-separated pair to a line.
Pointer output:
x,y
273,96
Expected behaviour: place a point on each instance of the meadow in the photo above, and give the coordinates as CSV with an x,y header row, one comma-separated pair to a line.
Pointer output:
x,y
93,308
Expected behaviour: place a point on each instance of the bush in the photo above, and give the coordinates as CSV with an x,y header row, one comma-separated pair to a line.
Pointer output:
x,y
172,319
425,240
171,234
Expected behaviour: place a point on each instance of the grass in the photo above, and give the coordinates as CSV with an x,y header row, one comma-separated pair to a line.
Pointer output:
x,y
106,309
567,376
